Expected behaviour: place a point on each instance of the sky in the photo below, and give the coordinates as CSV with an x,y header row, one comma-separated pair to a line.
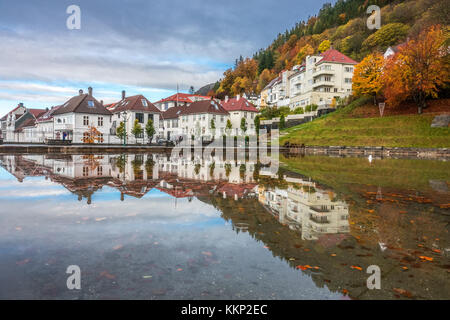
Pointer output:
x,y
141,46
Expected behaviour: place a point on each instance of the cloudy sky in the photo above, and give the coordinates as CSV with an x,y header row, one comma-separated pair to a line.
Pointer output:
x,y
141,46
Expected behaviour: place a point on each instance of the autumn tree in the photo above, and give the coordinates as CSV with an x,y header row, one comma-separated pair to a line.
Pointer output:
x,y
228,127
244,125
304,51
264,79
150,130
368,76
419,69
387,35
92,135
137,130
324,46
121,132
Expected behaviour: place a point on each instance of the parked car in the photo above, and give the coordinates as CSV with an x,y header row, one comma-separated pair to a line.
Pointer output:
x,y
165,142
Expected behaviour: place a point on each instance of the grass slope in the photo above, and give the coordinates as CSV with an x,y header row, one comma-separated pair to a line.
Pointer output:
x,y
340,128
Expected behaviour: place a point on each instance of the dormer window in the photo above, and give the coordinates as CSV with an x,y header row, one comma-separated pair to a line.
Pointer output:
x,y
91,104
144,102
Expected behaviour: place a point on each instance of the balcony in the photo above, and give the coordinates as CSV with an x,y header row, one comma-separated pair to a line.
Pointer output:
x,y
319,209
322,83
323,71
319,219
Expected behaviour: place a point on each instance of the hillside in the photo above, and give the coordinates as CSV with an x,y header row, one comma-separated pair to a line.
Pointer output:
x,y
343,26
359,125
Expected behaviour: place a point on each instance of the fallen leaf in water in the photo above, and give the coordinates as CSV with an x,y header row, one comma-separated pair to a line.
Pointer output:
x,y
344,291
420,245
22,262
356,267
403,292
106,274
291,259
119,246
19,228
333,254
100,219
405,268
426,258
207,253
266,247
371,211
436,250
301,267
179,269
403,212
146,277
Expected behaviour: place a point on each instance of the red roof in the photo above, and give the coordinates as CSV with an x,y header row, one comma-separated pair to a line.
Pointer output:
x,y
238,105
204,106
173,113
182,97
37,112
332,55
134,103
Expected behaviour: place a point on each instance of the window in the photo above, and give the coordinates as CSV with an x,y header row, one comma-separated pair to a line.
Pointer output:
x,y
140,117
221,118
85,171
327,78
327,89
100,121
100,138
150,117
335,90
100,171
90,104
348,80
85,120
144,102
348,69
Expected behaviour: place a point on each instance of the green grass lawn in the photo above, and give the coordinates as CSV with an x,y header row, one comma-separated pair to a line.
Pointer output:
x,y
339,128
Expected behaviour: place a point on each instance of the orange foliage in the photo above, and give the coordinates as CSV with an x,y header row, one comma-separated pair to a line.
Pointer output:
x,y
418,70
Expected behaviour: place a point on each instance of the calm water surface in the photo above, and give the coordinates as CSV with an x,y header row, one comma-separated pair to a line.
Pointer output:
x,y
149,227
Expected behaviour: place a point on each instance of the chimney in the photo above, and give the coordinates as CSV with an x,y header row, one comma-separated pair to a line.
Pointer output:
x,y
101,102
90,91
226,99
123,94
21,104
238,97
80,92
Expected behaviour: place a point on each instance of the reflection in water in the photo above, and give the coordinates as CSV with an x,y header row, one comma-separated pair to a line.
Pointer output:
x,y
329,236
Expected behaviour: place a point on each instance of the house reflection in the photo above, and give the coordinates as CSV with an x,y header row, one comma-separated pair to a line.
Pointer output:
x,y
295,201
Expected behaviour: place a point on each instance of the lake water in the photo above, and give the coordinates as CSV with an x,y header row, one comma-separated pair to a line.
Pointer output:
x,y
147,226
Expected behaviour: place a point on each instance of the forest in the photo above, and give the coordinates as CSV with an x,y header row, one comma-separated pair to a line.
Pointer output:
x,y
341,26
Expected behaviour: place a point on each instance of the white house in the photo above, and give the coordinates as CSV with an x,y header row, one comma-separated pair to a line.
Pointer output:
x,y
196,120
134,108
178,100
79,115
239,108
14,123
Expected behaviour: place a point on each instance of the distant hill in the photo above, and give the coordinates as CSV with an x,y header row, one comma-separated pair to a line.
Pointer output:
x,y
203,91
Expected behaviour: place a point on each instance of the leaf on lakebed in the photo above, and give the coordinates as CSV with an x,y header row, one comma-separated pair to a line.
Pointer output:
x,y
179,269
100,219
146,277
436,250
403,292
22,262
107,275
207,253
356,267
305,267
425,258
119,246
